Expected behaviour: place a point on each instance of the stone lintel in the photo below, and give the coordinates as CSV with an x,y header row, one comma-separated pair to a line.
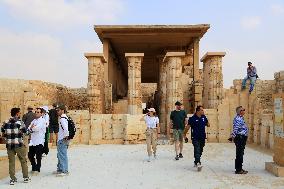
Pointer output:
x,y
173,54
134,54
209,54
274,169
98,55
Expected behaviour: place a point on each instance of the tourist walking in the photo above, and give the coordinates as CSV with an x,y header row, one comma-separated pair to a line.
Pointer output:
x,y
251,75
178,119
239,136
13,131
53,124
37,129
197,124
152,123
63,142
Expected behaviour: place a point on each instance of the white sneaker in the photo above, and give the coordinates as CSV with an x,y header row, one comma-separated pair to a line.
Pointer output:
x,y
62,174
199,167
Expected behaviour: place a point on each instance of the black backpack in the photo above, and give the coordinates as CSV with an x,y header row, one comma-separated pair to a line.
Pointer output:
x,y
71,127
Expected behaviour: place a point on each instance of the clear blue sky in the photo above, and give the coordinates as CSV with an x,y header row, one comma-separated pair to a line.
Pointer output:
x,y
46,40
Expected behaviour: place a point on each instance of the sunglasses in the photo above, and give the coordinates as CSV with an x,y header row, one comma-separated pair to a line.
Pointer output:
x,y
37,112
243,110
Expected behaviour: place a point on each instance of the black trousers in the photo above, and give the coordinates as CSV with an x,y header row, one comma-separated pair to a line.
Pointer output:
x,y
35,151
240,142
198,145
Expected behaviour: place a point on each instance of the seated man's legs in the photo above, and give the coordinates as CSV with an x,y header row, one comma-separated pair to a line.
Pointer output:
x,y
244,82
252,82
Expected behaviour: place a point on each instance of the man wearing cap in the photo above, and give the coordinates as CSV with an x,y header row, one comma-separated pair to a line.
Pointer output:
x,y
27,119
152,123
178,119
53,124
63,142
198,123
239,136
251,75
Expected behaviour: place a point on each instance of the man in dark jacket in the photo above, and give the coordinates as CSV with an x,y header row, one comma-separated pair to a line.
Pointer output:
x,y
28,117
53,123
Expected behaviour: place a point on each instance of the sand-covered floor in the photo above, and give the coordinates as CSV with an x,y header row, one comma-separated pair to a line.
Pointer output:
x,y
125,166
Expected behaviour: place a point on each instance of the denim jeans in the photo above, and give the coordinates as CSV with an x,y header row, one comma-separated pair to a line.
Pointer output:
x,y
62,165
240,142
198,145
252,82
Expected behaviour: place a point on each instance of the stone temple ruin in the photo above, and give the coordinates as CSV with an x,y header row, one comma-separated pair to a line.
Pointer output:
x,y
154,66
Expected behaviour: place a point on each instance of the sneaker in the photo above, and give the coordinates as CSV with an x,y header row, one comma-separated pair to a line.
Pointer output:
x,y
180,155
62,174
26,180
56,172
199,167
12,182
241,172
177,157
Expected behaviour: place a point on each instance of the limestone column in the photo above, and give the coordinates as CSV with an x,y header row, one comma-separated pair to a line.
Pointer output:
x,y
212,79
95,88
196,59
277,166
174,86
134,61
163,96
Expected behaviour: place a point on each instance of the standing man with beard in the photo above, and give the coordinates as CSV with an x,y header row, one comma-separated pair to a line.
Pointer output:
x,y
178,121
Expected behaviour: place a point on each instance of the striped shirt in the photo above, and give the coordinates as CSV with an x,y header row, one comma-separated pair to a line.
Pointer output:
x,y
13,132
239,126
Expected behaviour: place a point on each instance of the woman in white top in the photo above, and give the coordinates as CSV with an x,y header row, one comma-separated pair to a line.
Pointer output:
x,y
152,123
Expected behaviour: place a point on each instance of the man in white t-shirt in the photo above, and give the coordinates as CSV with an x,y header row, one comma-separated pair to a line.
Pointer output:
x,y
152,123
63,142
37,129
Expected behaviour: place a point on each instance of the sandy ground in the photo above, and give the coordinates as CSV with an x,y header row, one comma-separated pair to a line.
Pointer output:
x,y
125,166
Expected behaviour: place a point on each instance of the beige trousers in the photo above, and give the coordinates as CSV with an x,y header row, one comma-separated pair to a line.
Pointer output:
x,y
151,140
22,155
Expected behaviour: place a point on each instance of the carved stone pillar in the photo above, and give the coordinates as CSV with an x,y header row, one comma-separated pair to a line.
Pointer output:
x,y
134,61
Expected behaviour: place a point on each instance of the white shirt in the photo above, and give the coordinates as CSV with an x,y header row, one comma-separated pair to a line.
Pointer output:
x,y
46,118
63,127
38,132
151,122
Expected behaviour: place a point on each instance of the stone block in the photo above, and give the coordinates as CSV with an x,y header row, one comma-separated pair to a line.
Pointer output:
x,y
274,169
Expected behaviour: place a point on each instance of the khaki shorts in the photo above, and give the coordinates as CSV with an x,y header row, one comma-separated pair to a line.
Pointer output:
x,y
178,134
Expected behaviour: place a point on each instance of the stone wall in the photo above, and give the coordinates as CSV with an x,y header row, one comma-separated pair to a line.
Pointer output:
x,y
24,93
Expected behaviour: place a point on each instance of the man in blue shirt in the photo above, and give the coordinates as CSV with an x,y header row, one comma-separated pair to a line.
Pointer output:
x,y
251,75
239,136
197,123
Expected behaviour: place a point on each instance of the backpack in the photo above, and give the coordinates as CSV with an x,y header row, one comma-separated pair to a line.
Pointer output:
x,y
71,127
